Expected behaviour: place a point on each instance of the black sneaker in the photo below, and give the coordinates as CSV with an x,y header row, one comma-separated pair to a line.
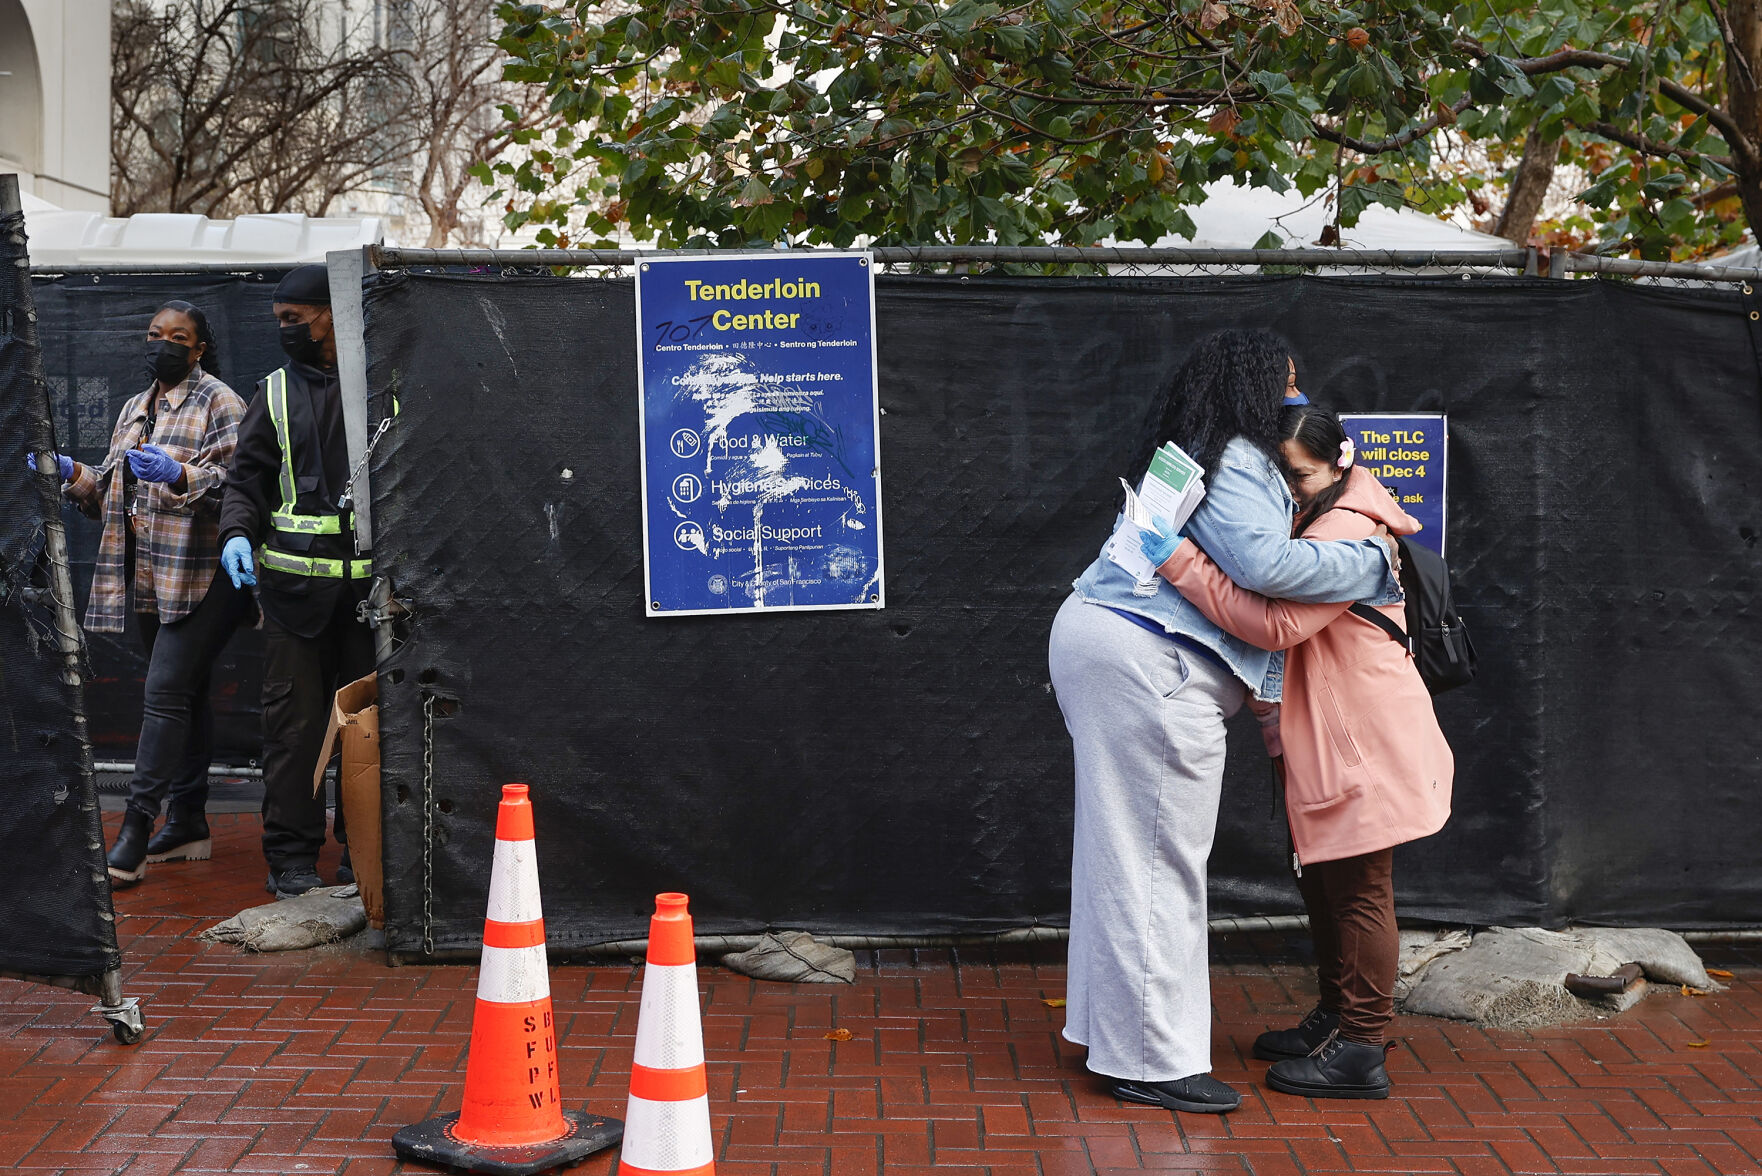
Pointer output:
x,y
127,859
293,881
1337,1069
183,838
345,873
1200,1094
1275,1045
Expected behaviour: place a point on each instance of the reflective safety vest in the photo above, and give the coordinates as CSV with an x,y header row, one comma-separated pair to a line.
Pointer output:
x,y
291,521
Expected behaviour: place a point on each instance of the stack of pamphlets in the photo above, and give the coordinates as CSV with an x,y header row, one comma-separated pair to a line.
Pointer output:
x,y
1172,489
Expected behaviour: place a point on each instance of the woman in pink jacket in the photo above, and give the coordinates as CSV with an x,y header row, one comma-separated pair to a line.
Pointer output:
x,y
1364,763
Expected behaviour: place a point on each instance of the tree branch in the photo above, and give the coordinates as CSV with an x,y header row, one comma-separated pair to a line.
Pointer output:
x,y
1589,59
1394,142
1652,147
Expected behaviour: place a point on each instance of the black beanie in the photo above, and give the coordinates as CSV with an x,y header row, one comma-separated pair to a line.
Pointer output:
x,y
309,285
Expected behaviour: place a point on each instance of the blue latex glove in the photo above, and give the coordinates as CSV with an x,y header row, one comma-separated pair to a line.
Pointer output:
x,y
61,459
235,557
152,464
1158,548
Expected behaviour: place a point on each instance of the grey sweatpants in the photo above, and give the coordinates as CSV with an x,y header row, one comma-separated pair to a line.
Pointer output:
x,y
1146,717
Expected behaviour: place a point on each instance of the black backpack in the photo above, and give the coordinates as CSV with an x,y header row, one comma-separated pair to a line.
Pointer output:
x,y
1440,644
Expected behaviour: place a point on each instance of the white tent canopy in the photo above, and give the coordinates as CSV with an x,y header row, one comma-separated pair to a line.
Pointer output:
x,y
1237,217
65,238
36,204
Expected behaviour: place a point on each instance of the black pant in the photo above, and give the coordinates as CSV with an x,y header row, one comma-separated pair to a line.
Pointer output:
x,y
1351,904
176,747
300,680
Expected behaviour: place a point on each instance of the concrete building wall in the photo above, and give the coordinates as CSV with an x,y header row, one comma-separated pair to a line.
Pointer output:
x,y
55,99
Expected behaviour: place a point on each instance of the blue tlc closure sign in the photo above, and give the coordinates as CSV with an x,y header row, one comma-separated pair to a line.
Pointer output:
x,y
761,467
1408,453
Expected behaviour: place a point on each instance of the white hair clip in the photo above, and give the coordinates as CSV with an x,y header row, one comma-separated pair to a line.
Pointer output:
x,y
1346,454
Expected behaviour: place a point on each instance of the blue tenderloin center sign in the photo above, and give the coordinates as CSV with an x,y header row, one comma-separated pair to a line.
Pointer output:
x,y
761,462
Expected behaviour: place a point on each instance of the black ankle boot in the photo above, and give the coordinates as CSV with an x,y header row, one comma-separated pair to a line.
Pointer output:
x,y
1337,1069
1275,1045
128,857
183,838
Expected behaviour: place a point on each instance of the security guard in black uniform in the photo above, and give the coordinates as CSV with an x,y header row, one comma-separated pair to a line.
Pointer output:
x,y
282,530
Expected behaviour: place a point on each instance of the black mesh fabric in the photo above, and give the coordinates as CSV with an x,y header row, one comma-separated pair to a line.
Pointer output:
x,y
93,329
55,913
907,770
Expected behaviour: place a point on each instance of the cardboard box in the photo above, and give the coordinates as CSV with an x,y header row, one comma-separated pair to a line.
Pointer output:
x,y
355,718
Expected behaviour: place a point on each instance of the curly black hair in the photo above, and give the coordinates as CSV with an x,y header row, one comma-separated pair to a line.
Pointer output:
x,y
1231,384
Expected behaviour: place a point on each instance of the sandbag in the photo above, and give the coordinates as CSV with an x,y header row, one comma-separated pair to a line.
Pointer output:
x,y
1514,977
1420,949
794,957
317,917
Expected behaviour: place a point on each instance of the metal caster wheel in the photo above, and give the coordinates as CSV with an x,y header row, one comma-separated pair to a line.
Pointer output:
x,y
126,1023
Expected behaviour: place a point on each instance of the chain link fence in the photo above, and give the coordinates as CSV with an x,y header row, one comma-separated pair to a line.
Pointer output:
x,y
1050,260
1124,262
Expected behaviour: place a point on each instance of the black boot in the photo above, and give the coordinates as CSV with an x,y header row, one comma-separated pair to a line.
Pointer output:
x,y
345,872
292,881
1275,1045
183,838
1337,1069
128,857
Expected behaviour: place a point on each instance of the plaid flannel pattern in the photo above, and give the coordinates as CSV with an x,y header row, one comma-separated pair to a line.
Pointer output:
x,y
177,549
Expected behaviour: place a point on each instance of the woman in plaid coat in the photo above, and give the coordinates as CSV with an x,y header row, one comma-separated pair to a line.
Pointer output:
x,y
158,494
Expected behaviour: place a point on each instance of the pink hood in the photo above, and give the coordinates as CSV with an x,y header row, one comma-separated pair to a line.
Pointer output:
x,y
1370,498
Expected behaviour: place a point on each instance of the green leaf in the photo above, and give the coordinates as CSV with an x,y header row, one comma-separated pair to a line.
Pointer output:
x,y
1662,186
1274,85
846,89
1600,193
725,124
1353,201
1012,41
1581,108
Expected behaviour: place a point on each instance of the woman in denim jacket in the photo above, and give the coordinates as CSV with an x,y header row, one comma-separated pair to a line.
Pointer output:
x,y
1145,684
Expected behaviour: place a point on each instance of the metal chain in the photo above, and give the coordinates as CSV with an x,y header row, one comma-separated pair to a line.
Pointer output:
x,y
428,824
355,476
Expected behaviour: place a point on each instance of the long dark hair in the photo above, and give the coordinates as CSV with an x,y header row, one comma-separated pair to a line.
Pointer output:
x,y
1321,435
1230,385
210,360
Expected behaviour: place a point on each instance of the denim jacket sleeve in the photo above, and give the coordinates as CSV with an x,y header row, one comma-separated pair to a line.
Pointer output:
x,y
1244,524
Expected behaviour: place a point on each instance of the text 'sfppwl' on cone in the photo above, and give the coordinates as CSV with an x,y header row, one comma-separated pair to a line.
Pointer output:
x,y
512,1122
667,1124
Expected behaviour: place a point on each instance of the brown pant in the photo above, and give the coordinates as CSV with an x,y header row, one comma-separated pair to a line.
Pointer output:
x,y
1351,905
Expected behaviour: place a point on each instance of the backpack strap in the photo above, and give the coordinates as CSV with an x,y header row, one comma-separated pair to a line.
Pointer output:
x,y
1366,612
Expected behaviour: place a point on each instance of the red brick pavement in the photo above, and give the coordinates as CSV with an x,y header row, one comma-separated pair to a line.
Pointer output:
x,y
307,1062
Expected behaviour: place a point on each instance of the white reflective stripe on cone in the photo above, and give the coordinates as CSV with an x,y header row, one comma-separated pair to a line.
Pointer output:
x,y
513,883
667,1136
669,1035
513,975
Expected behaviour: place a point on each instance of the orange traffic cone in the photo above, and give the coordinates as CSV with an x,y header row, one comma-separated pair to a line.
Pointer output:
x,y
512,1122
669,1115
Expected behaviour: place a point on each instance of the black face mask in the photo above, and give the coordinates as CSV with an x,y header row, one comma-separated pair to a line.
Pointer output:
x,y
167,362
301,347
